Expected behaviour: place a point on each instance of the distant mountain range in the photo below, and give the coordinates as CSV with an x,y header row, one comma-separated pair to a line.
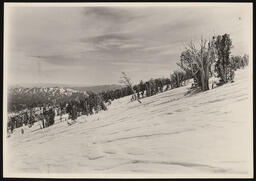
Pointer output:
x,y
44,91
31,85
58,90
98,88
21,97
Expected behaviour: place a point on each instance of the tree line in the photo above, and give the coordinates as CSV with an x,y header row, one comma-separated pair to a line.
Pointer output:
x,y
80,104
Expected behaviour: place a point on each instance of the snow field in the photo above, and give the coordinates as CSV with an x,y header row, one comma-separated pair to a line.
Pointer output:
x,y
208,134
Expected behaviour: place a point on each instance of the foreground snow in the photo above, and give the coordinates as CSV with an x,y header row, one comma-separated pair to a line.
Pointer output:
x,y
207,134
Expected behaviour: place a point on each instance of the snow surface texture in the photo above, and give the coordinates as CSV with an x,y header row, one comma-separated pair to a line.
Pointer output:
x,y
208,134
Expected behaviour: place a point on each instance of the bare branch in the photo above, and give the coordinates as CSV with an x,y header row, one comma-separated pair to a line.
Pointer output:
x,y
127,81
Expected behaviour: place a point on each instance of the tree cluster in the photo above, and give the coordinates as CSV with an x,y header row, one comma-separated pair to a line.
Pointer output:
x,y
209,58
238,62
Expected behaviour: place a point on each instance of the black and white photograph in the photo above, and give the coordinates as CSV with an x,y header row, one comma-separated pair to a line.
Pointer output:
x,y
128,90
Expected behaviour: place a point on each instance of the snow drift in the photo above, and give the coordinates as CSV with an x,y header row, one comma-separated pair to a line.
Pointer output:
x,y
208,134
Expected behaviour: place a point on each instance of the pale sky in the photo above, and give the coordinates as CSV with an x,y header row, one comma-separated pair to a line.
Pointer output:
x,y
93,45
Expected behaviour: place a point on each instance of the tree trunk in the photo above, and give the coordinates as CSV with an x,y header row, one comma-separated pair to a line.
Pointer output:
x,y
204,79
224,73
171,85
178,80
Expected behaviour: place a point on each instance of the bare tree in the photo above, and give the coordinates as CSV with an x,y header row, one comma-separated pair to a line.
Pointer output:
x,y
127,81
201,60
191,68
177,77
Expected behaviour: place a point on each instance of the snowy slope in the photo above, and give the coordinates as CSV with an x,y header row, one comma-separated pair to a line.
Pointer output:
x,y
207,134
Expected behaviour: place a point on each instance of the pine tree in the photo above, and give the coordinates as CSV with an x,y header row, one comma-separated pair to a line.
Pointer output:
x,y
223,45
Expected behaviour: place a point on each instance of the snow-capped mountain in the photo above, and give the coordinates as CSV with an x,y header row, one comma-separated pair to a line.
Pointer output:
x,y
20,98
45,91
